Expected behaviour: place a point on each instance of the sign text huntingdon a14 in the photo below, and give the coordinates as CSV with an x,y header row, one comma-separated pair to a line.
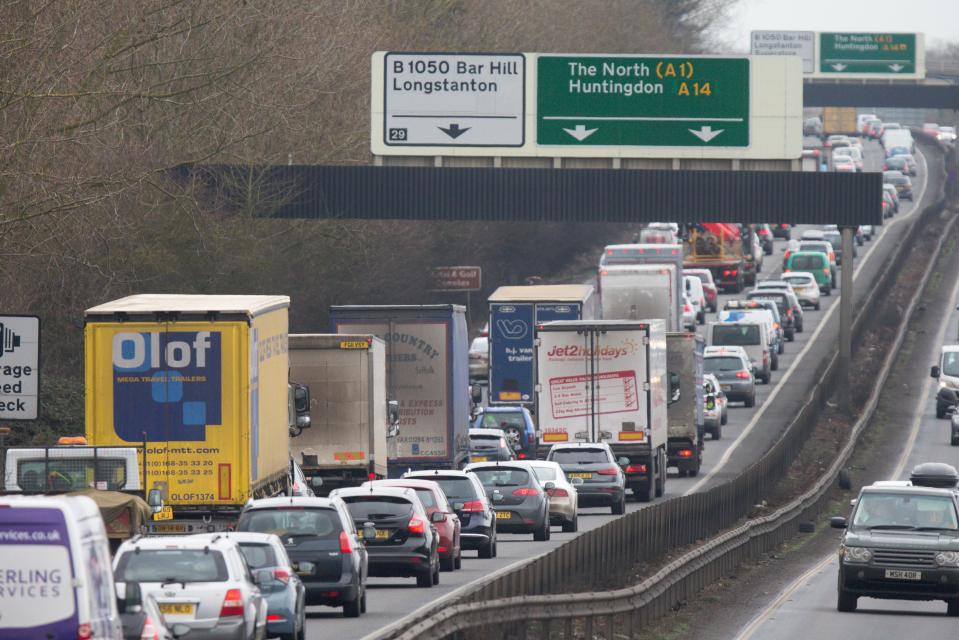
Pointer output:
x,y
642,101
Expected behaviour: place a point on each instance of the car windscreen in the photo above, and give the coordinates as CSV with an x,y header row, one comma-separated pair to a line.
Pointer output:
x,y
806,263
719,364
373,507
491,420
950,363
455,487
778,298
502,476
905,511
900,180
258,555
69,474
799,280
579,456
736,334
544,474
484,442
426,497
171,565
292,521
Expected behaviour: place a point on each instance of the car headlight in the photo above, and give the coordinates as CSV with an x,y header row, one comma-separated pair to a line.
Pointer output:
x,y
857,554
947,559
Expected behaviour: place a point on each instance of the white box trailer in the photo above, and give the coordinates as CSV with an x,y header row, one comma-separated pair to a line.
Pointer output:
x,y
635,291
347,439
606,381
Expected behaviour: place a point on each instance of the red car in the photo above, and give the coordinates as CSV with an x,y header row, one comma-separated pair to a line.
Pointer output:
x,y
448,527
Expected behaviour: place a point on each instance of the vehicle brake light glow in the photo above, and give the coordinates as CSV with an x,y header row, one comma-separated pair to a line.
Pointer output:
x,y
417,525
826,270
232,604
557,493
84,631
635,468
685,453
743,375
149,631
525,491
275,617
608,471
442,549
282,575
473,506
521,456
345,546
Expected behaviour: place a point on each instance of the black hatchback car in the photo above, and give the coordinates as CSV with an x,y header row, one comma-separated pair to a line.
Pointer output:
x,y
470,503
324,547
404,543
520,501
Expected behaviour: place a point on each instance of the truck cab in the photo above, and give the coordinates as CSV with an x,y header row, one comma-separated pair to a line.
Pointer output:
x,y
947,372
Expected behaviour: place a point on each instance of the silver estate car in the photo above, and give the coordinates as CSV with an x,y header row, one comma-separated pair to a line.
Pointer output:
x,y
201,581
563,497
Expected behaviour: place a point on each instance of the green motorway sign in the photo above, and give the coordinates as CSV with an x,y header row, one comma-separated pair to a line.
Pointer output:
x,y
630,101
867,53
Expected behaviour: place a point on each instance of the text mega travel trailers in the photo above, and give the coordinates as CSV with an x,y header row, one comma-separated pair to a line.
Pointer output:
x,y
513,314
427,374
606,381
352,425
203,381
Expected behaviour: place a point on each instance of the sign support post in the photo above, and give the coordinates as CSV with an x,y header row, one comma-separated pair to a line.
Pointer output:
x,y
845,322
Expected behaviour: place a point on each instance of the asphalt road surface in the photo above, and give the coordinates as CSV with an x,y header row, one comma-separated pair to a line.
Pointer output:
x,y
747,435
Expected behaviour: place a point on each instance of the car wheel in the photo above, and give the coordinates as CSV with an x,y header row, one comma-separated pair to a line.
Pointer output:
x,y
816,307
940,412
693,469
436,572
495,552
782,348
717,433
571,526
448,564
767,377
846,602
352,608
751,401
362,607
542,534
458,564
487,550
723,421
775,361
425,580
619,508
952,607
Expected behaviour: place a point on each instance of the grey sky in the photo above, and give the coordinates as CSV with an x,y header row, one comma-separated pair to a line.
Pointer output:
x,y
938,19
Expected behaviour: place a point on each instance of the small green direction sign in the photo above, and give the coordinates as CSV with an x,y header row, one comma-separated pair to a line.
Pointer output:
x,y
867,53
642,101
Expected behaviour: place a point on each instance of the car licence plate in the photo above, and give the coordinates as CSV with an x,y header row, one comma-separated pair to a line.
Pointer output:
x,y
899,574
479,458
504,515
167,528
585,476
166,513
177,608
725,387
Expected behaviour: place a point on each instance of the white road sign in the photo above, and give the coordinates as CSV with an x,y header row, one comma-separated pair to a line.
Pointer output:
x,y
786,43
19,367
449,99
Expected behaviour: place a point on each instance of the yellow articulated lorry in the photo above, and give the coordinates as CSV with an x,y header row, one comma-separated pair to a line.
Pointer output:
x,y
202,382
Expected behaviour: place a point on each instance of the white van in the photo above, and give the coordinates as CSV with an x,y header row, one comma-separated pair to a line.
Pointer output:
x,y
764,316
71,468
751,335
57,577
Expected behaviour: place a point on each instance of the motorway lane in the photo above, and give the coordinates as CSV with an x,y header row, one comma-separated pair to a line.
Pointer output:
x,y
392,599
807,607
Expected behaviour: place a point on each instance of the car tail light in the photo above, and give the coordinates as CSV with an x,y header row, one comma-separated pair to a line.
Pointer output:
x,y
522,492
608,471
149,631
789,312
502,444
84,631
275,617
557,493
685,453
687,308
743,375
232,604
345,546
635,468
521,456
442,549
282,575
473,506
417,525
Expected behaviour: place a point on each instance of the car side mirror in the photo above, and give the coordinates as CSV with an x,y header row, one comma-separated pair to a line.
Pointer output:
x,y
316,482
303,422
263,578
129,597
369,531
393,412
576,481
837,522
301,399
935,372
622,461
155,499
498,497
549,486
437,516
476,393
458,507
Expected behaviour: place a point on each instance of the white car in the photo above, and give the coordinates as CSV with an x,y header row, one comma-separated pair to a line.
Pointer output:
x,y
563,497
947,134
479,358
812,234
804,286
689,315
697,297
201,581
715,413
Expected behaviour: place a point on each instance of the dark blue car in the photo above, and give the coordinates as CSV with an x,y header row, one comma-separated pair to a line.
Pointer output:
x,y
515,422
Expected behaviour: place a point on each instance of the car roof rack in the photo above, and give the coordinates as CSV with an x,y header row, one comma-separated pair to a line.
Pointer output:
x,y
935,474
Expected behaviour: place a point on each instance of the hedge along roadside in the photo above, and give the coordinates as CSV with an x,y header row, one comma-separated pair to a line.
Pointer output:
x,y
668,525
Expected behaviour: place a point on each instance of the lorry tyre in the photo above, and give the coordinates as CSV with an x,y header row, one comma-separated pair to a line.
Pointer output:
x,y
661,478
751,401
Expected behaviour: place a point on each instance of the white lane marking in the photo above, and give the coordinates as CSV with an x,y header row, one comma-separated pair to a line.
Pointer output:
x,y
923,397
727,454
783,597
